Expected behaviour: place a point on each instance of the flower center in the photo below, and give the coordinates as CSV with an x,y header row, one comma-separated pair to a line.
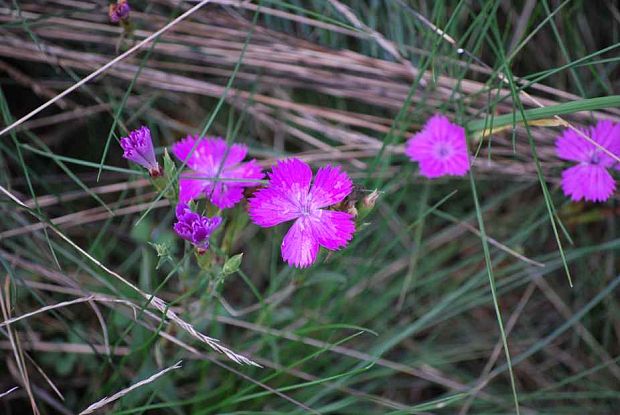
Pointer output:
x,y
304,210
595,157
443,150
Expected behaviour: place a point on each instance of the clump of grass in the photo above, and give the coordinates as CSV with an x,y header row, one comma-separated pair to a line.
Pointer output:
x,y
453,296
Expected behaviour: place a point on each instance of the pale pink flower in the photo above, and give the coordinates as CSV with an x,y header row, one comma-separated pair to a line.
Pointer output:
x,y
590,178
440,148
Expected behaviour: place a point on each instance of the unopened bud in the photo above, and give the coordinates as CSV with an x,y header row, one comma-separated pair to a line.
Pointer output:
x,y
232,264
370,200
367,204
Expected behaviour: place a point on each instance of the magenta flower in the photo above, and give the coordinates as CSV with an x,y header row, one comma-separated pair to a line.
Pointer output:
x,y
138,147
290,196
589,179
212,158
195,228
119,11
440,148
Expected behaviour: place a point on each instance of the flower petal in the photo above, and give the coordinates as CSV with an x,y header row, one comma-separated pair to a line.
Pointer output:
x,y
190,189
250,170
293,176
271,206
299,247
202,229
182,150
573,147
183,230
419,147
332,229
236,154
185,214
457,165
439,126
224,196
331,185
607,134
588,182
208,153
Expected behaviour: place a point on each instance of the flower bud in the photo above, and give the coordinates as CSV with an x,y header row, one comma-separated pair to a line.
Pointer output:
x,y
370,200
367,204
119,11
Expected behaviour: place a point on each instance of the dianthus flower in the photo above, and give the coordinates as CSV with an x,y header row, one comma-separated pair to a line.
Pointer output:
x,y
195,228
589,179
291,195
211,159
138,147
119,11
440,148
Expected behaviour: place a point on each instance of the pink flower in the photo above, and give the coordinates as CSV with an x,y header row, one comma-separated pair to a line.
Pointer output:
x,y
440,148
291,196
213,158
138,147
589,179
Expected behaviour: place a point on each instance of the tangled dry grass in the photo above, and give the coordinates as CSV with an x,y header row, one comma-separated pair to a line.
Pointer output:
x,y
195,58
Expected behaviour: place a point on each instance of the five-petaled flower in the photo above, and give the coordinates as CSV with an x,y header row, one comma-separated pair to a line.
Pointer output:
x,y
138,147
589,179
217,170
292,195
119,11
440,148
195,228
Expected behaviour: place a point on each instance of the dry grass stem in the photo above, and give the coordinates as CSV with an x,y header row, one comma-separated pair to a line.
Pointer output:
x,y
107,400
5,393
